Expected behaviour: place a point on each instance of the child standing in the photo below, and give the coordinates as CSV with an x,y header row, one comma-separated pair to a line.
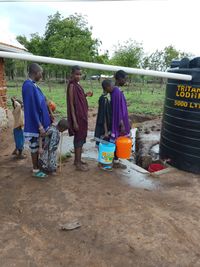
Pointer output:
x,y
120,120
48,152
77,113
104,117
18,127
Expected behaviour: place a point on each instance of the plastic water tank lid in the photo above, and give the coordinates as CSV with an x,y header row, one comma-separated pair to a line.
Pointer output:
x,y
195,63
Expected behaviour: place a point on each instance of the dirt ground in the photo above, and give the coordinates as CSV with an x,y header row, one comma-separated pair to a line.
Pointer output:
x,y
122,226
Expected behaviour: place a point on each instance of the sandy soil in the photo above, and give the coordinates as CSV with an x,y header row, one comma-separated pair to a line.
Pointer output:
x,y
122,226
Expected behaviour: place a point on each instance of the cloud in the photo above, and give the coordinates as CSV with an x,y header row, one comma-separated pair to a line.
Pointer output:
x,y
155,23
5,23
25,18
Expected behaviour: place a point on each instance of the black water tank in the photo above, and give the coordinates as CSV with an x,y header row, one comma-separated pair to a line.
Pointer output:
x,y
180,135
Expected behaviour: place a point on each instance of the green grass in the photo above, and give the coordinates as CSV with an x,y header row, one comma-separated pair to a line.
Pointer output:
x,y
140,98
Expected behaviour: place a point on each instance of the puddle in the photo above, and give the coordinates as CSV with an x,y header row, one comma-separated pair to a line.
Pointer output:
x,y
138,179
130,176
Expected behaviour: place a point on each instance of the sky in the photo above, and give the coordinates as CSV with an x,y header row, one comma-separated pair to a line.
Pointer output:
x,y
155,24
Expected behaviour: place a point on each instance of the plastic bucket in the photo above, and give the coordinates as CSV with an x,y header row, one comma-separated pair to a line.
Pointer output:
x,y
123,147
106,153
155,167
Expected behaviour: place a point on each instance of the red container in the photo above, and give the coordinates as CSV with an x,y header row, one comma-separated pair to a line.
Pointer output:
x,y
155,167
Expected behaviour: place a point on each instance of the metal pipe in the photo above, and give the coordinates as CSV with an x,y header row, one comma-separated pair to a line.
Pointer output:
x,y
89,65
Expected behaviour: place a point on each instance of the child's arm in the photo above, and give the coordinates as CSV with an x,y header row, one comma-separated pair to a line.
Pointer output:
x,y
16,104
105,128
41,147
107,118
40,151
13,101
90,93
49,132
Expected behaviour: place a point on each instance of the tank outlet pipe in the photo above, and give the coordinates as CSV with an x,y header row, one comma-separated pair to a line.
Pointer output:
x,y
97,66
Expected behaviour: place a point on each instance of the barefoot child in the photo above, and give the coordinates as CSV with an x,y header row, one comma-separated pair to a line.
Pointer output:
x,y
48,152
120,120
18,127
104,118
77,113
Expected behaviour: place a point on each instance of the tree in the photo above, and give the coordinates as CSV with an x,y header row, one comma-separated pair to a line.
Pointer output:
x,y
128,54
35,45
161,59
10,68
103,58
23,40
169,54
70,38
154,61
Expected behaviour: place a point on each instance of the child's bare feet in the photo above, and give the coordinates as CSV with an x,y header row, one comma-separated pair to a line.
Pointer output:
x,y
21,156
84,162
81,167
14,152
